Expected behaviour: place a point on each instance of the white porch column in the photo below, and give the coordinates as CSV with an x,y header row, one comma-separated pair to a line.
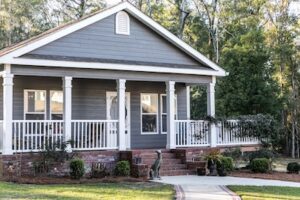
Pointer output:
x,y
211,111
67,88
171,135
7,110
121,113
188,102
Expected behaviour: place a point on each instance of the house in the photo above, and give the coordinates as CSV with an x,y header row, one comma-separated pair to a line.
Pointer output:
x,y
114,80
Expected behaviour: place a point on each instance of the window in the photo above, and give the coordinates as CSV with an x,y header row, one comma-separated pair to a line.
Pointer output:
x,y
149,113
56,105
163,108
34,104
122,23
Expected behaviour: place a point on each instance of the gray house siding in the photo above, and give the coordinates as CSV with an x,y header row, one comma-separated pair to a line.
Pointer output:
x,y
89,102
99,41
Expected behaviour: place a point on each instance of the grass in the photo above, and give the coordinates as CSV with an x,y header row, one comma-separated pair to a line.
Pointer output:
x,y
107,191
266,192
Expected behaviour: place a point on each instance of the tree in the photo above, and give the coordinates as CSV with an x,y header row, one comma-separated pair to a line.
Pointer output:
x,y
67,10
281,33
20,20
250,87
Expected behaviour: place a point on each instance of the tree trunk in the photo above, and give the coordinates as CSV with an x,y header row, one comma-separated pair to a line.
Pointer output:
x,y
182,18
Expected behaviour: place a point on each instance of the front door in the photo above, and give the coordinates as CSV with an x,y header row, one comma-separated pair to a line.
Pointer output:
x,y
112,112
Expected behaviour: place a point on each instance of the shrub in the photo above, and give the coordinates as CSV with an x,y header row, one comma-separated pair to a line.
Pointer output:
x,y
260,165
99,170
76,168
262,153
224,165
212,158
293,167
122,168
227,163
234,153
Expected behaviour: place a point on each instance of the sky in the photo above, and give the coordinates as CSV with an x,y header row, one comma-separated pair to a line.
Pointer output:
x,y
112,2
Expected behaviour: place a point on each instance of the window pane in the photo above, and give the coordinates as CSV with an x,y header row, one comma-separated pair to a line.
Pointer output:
x,y
40,101
149,103
35,102
149,123
56,116
35,116
57,101
164,123
164,104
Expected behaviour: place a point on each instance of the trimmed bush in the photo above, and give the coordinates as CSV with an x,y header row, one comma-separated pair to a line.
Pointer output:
x,y
122,168
228,163
260,165
224,165
293,167
76,168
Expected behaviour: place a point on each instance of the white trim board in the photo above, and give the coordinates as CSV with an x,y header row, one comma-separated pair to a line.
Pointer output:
x,y
97,17
111,66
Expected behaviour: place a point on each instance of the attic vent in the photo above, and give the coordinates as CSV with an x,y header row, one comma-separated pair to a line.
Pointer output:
x,y
122,23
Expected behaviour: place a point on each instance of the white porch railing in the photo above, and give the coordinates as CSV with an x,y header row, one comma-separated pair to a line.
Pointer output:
x,y
94,134
232,133
35,135
192,133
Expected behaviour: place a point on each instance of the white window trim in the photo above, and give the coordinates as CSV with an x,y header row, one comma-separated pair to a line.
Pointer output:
x,y
141,115
127,32
50,111
26,99
162,113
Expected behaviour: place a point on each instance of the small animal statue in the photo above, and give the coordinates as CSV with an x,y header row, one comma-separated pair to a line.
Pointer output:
x,y
154,171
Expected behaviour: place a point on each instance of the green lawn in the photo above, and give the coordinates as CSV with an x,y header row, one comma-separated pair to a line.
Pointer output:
x,y
107,191
266,193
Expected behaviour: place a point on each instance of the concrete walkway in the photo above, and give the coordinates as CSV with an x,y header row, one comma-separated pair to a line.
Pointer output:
x,y
214,188
216,180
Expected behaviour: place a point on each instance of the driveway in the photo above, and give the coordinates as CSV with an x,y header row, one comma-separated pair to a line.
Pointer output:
x,y
214,187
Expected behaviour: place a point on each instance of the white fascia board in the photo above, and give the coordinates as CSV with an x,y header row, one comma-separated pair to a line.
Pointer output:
x,y
111,66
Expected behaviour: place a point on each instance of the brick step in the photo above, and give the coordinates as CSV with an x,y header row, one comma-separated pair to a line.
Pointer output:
x,y
165,161
173,166
154,155
177,172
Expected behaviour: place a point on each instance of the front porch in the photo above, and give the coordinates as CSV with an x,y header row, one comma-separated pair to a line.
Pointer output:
x,y
106,114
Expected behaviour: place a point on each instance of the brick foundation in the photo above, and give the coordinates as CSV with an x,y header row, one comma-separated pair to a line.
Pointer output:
x,y
23,164
175,162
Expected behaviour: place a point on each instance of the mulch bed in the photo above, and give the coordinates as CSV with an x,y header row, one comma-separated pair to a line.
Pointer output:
x,y
45,180
271,175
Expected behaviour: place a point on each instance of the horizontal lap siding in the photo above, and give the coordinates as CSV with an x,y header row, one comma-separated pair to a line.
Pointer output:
x,y
22,83
89,102
100,41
